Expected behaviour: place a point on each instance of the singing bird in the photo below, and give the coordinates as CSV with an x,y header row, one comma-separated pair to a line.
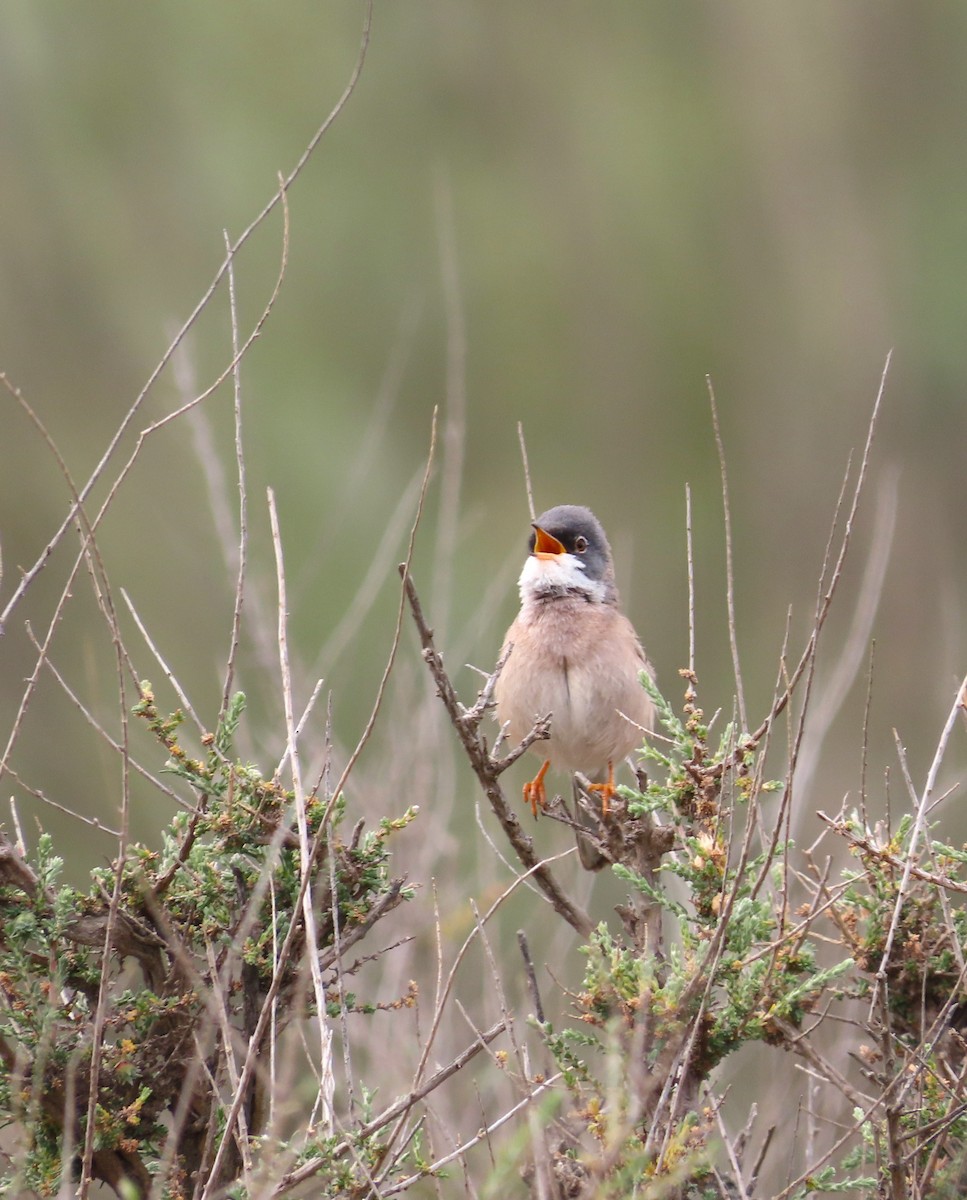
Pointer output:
x,y
575,655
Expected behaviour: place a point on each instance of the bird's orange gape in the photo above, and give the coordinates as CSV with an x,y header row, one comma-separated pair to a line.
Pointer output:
x,y
546,544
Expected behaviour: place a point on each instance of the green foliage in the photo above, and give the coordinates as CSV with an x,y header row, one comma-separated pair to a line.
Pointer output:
x,y
711,955
824,1182
732,966
205,918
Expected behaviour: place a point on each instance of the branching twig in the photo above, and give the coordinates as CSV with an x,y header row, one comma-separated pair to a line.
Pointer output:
x,y
488,769
313,1166
319,840
917,831
302,824
278,197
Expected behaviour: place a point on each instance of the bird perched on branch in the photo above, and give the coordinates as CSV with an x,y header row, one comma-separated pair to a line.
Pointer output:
x,y
575,655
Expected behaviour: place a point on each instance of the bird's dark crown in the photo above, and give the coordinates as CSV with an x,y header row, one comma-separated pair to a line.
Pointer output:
x,y
580,533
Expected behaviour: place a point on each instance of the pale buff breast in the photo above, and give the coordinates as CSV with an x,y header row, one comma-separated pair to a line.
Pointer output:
x,y
580,662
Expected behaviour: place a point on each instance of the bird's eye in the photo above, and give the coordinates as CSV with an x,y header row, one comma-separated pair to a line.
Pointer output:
x,y
580,544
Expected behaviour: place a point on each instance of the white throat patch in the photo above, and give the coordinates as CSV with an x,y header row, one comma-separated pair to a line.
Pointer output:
x,y
561,574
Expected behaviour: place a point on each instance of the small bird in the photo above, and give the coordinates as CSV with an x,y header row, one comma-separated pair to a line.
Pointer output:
x,y
575,655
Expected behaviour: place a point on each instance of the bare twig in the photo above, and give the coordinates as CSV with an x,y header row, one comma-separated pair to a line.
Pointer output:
x,y
242,490
729,565
827,591
435,1167
916,833
28,576
364,463
114,908
527,470
319,840
531,976
380,567
302,825
162,663
403,1104
488,769
856,642
96,725
455,423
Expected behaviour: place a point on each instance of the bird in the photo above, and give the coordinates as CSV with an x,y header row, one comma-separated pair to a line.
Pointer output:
x,y
572,653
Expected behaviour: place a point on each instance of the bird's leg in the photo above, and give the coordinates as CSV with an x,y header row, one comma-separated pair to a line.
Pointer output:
x,y
605,790
534,793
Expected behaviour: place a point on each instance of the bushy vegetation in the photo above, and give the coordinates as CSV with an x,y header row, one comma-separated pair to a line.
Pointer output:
x,y
257,1000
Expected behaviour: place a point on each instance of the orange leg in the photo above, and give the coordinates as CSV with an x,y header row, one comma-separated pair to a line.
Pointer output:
x,y
606,791
534,793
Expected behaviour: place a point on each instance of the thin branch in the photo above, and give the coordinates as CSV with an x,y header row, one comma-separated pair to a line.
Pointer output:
x,y
836,687
159,658
531,976
116,746
388,1115
404,571
380,565
300,726
89,527
916,833
455,423
488,769
73,813
826,597
729,565
435,1167
122,665
319,840
527,470
242,491
28,576
883,855
302,824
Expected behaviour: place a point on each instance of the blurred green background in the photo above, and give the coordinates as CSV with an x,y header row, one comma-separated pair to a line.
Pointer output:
x,y
562,214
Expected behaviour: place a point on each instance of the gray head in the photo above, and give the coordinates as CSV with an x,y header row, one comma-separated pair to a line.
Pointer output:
x,y
570,543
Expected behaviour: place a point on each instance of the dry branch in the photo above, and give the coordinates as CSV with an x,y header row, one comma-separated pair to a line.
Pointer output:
x,y
488,769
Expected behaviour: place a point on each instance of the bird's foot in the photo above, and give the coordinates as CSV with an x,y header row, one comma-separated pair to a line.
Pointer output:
x,y
606,791
534,793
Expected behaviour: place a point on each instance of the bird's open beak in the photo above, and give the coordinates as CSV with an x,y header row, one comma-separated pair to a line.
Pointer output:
x,y
546,545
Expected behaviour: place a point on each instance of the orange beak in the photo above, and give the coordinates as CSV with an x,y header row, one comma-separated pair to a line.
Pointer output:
x,y
546,545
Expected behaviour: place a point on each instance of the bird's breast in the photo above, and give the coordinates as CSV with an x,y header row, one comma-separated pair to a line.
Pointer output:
x,y
578,661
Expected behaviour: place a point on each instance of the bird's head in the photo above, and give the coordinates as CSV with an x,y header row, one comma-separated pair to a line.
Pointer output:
x,y
569,554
